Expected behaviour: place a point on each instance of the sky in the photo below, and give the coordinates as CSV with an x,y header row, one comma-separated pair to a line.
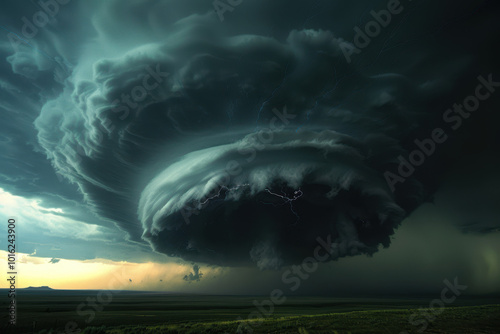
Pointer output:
x,y
212,147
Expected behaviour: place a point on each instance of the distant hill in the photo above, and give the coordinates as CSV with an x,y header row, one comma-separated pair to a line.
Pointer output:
x,y
38,288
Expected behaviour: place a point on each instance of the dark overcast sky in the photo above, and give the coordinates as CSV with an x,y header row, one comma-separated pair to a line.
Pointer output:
x,y
277,121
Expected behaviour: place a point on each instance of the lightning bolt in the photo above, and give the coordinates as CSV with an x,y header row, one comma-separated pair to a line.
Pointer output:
x,y
220,191
286,199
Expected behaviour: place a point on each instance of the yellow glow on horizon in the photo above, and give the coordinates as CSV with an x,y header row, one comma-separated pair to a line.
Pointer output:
x,y
97,274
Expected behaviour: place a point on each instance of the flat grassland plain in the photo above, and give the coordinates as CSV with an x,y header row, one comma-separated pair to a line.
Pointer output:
x,y
47,312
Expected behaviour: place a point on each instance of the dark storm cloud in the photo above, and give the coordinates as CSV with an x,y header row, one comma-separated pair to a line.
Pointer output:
x,y
336,156
337,184
30,75
196,275
164,95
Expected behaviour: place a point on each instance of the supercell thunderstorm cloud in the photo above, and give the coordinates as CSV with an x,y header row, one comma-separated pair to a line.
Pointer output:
x,y
240,142
336,161
300,186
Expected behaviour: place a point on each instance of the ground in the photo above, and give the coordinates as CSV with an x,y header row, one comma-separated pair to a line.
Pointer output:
x,y
137,312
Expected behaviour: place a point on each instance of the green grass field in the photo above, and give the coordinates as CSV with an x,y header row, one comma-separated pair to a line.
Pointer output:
x,y
129,312
457,320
